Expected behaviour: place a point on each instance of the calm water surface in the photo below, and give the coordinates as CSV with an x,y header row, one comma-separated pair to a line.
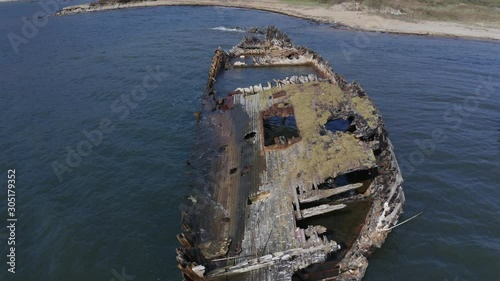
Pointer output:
x,y
119,209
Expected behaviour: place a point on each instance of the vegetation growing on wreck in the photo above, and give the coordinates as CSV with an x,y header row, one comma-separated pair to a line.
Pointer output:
x,y
366,109
326,154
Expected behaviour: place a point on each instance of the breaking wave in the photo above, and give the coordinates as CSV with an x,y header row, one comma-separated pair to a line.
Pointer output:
x,y
228,29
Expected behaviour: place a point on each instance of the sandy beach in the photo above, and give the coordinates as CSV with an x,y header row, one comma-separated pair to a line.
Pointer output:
x,y
337,14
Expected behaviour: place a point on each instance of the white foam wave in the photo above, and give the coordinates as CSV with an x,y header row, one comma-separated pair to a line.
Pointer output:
x,y
228,29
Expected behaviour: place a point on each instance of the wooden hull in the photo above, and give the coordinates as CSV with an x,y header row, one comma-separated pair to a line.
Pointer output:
x,y
302,183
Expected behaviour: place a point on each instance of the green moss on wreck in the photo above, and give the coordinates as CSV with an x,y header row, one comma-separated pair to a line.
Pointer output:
x,y
325,154
312,104
366,110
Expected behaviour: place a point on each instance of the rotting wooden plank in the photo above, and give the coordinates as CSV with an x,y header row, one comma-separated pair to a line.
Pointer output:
x,y
293,256
321,194
262,195
276,212
321,209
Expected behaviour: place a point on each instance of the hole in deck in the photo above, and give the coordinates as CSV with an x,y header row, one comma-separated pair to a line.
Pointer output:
x,y
278,130
360,181
250,136
340,125
363,176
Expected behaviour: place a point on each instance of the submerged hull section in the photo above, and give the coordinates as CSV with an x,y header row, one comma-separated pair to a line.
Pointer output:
x,y
302,183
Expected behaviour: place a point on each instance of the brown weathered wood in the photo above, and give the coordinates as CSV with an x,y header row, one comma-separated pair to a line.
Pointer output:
x,y
321,209
321,194
294,256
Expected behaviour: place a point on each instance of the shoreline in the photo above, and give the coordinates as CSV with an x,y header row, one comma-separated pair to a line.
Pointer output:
x,y
337,14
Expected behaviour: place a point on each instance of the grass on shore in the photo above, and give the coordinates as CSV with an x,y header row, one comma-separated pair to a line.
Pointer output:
x,y
486,12
466,11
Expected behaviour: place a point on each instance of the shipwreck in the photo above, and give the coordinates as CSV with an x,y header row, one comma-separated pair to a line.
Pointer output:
x,y
301,181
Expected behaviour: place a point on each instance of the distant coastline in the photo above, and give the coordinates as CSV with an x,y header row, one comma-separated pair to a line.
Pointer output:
x,y
336,14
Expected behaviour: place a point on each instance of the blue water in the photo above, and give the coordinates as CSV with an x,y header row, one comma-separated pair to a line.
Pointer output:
x,y
119,208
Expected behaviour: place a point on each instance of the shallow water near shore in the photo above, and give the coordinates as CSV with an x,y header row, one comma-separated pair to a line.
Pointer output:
x,y
118,210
